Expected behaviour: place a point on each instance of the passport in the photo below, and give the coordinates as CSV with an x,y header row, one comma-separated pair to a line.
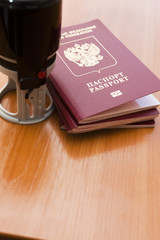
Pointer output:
x,y
139,119
98,78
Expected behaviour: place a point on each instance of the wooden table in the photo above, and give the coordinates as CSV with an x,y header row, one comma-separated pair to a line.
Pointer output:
x,y
103,185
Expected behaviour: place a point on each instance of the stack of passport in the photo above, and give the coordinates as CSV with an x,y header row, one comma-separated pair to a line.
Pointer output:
x,y
98,83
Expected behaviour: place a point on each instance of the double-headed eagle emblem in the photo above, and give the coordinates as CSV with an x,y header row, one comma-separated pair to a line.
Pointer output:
x,y
84,55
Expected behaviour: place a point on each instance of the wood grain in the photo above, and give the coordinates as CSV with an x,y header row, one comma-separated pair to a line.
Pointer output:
x,y
96,186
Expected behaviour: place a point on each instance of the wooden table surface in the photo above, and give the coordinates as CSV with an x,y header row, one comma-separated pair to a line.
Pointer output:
x,y
103,185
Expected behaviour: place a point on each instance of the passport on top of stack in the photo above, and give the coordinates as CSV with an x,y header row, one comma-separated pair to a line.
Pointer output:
x,y
98,83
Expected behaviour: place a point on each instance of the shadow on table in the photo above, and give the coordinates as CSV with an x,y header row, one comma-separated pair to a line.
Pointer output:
x,y
88,144
13,237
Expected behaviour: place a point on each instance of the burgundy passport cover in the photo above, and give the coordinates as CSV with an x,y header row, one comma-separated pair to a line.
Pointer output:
x,y
95,72
73,127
